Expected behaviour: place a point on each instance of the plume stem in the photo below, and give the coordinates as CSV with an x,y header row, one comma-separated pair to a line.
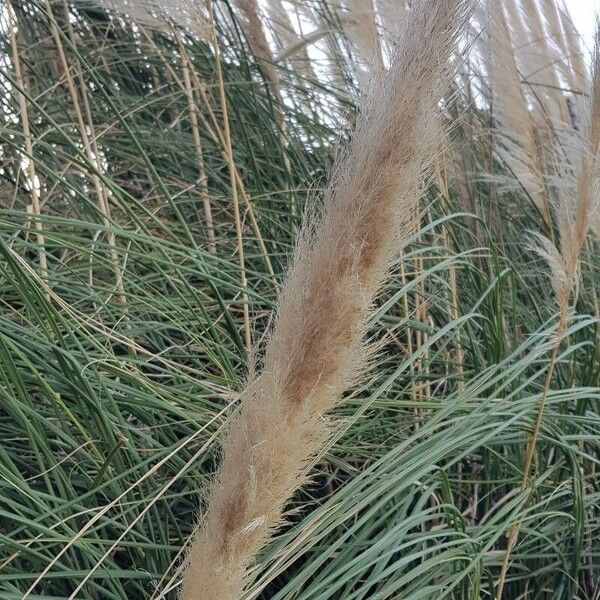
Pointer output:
x,y
528,460
232,177
32,177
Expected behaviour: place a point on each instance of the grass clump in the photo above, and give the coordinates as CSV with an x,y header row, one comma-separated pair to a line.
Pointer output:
x,y
160,170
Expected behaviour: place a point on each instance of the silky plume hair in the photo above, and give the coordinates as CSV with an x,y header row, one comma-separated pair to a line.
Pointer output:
x,y
317,349
286,37
551,12
539,67
248,11
391,13
361,30
576,56
577,190
518,145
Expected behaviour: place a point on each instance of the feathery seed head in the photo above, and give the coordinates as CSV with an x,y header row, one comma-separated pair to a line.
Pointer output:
x,y
316,349
577,195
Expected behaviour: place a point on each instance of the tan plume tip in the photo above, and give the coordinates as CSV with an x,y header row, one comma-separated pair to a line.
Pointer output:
x,y
317,346
577,193
517,143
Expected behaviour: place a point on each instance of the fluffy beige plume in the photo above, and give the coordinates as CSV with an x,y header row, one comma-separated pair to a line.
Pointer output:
x,y
575,53
316,349
558,38
249,13
391,14
360,26
286,37
578,189
518,146
538,64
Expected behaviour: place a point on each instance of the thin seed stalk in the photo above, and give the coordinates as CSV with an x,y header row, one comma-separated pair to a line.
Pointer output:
x,y
232,176
33,180
528,459
186,67
214,130
84,121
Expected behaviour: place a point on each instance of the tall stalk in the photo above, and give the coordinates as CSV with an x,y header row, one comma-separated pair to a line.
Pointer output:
x,y
32,178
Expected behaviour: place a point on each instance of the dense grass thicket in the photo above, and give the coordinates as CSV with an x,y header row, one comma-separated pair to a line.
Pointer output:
x,y
155,171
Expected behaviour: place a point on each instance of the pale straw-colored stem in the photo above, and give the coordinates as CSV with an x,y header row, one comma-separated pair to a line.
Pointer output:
x,y
527,462
32,178
214,130
187,67
234,189
89,144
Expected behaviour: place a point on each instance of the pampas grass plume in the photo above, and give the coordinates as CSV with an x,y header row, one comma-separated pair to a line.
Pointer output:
x,y
577,186
316,349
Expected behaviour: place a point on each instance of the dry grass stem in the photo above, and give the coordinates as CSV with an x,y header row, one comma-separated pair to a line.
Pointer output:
x,y
89,142
255,33
186,67
32,178
227,146
158,14
213,128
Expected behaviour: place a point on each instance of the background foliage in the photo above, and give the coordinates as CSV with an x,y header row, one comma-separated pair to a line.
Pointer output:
x,y
123,323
